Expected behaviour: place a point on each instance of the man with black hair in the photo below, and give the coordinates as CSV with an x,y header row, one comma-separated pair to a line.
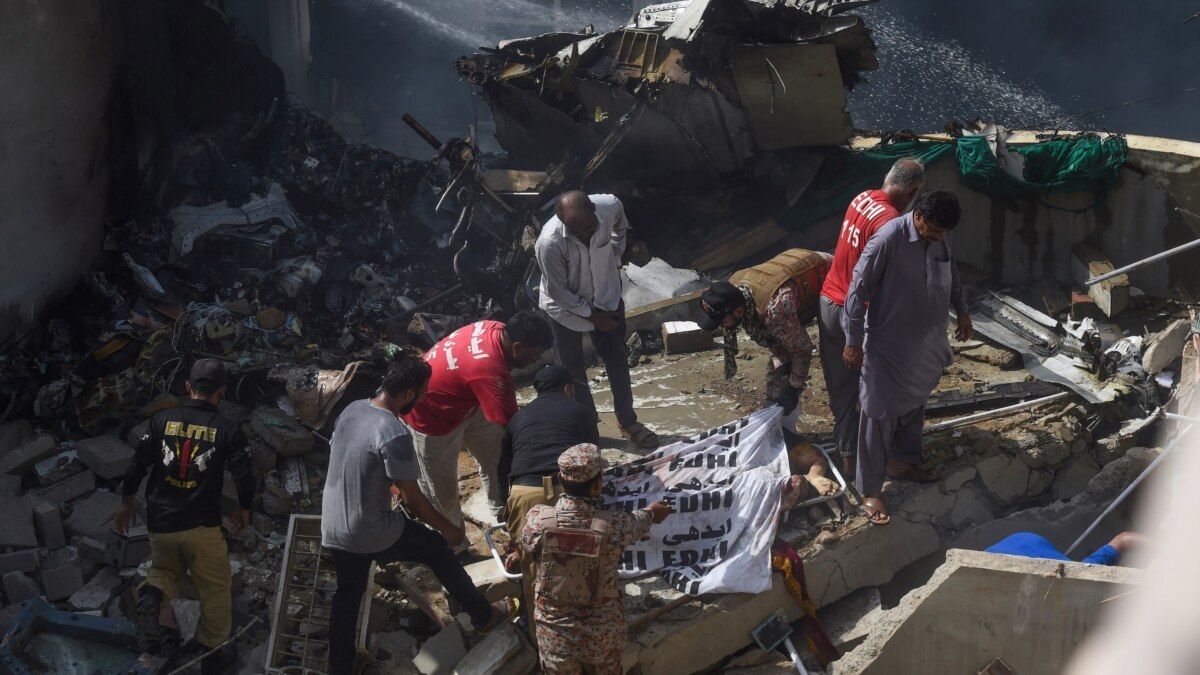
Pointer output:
x,y
370,451
471,399
578,616
186,451
579,253
535,438
897,308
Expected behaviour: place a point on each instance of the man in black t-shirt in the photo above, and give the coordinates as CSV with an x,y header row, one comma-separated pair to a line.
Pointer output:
x,y
186,451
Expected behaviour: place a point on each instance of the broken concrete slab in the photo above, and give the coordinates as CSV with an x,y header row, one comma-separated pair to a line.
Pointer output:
x,y
22,460
93,516
848,563
442,652
848,621
106,456
16,523
1073,478
47,521
19,588
19,561
1111,295
1004,359
97,593
503,652
970,508
1163,347
1037,447
62,581
1004,478
71,488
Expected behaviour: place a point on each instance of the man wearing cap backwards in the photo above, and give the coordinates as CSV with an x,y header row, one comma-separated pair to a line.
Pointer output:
x,y
535,438
579,253
186,451
774,303
371,451
578,616
896,312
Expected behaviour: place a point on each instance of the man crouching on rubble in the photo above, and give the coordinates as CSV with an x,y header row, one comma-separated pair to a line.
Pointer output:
x,y
371,450
578,617
186,450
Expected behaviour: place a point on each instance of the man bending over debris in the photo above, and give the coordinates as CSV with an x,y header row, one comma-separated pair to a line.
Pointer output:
x,y
579,618
1030,545
535,437
579,252
471,398
773,302
371,450
186,451
867,212
908,278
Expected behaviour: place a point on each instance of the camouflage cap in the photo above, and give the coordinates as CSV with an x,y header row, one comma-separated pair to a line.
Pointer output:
x,y
580,463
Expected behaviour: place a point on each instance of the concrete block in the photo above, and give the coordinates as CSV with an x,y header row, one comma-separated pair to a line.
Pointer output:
x,y
97,593
1054,299
503,652
1004,478
47,520
93,515
442,652
57,467
849,620
19,561
1111,296
683,337
22,460
283,434
129,549
1163,347
107,456
71,488
90,549
19,588
276,501
854,560
10,485
61,582
16,523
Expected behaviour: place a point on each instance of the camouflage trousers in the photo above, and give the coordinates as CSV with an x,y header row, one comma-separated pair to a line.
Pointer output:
x,y
579,640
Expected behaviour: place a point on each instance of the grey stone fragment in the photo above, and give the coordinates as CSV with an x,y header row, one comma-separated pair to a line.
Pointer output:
x,y
71,488
16,523
97,593
107,456
62,581
19,561
47,520
10,485
92,516
57,468
22,460
503,652
442,652
19,588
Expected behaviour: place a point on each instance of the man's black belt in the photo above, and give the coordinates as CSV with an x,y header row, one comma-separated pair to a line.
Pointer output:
x,y
532,480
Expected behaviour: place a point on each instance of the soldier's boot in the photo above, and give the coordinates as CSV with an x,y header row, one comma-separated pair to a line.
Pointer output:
x,y
149,632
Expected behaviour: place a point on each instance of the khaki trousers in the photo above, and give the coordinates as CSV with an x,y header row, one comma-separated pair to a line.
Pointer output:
x,y
522,499
437,458
202,553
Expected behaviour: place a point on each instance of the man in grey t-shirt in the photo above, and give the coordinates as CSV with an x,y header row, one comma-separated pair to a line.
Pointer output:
x,y
372,450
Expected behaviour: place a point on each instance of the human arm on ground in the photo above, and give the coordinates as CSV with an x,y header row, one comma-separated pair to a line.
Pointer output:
x,y
551,257
783,322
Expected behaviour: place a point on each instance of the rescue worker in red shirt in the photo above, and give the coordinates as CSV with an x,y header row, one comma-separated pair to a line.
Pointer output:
x,y
470,400
867,212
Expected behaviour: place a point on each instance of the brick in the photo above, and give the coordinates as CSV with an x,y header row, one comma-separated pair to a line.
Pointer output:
x,y
22,460
16,523
107,456
93,515
19,561
19,588
61,582
71,488
47,520
97,593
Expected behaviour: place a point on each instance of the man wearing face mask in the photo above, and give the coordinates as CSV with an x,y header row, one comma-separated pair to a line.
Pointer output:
x,y
579,253
896,312
773,302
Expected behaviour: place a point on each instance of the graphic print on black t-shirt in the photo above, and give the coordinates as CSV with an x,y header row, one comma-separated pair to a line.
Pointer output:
x,y
186,451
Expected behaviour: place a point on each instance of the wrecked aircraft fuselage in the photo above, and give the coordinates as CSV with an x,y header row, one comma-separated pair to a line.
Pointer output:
x,y
731,87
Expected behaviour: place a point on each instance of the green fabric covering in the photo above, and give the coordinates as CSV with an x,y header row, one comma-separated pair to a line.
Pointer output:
x,y
1084,164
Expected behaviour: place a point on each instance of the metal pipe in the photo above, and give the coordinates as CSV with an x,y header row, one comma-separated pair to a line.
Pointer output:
x,y
998,412
1145,261
1129,489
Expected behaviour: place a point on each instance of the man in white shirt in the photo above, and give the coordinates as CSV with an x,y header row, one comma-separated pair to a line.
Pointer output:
x,y
579,252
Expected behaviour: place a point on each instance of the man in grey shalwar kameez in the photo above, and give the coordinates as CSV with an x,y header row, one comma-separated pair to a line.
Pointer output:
x,y
896,312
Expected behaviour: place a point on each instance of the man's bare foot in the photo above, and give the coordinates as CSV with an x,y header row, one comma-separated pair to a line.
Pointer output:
x,y
823,485
876,511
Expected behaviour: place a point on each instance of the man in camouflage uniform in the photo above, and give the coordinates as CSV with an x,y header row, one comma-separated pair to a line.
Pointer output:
x,y
578,617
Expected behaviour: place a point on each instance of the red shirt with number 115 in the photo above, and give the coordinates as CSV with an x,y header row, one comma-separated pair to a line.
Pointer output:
x,y
867,213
